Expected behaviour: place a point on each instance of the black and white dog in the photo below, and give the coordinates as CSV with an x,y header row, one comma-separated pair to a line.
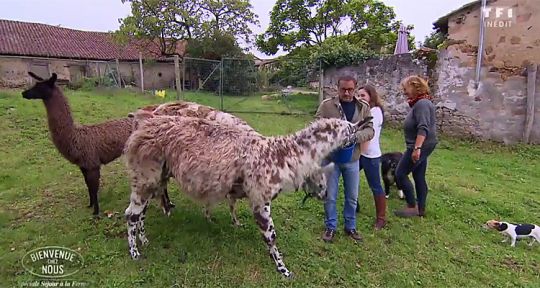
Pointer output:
x,y
515,231
389,162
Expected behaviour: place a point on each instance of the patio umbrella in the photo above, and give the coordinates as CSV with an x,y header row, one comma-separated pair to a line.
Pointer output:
x,y
402,45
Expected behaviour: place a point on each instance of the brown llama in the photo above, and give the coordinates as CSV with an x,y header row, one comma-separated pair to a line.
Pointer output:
x,y
87,146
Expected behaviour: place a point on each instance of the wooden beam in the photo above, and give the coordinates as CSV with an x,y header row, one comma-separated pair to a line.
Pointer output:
x,y
98,70
142,72
177,74
531,90
118,73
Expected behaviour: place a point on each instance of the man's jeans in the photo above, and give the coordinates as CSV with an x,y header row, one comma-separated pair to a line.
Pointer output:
x,y
351,177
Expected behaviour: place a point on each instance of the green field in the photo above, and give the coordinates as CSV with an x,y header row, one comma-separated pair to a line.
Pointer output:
x,y
43,203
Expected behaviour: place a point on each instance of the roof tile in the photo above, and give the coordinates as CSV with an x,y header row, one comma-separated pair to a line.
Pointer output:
x,y
42,40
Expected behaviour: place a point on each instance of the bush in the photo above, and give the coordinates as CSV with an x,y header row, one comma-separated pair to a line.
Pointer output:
x,y
338,53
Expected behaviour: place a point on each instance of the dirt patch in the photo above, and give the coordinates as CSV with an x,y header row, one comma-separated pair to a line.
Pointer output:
x,y
512,264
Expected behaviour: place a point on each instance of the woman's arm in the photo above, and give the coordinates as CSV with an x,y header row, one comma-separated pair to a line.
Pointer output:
x,y
377,115
421,116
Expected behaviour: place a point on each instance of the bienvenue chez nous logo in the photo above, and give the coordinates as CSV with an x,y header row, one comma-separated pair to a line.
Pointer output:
x,y
53,263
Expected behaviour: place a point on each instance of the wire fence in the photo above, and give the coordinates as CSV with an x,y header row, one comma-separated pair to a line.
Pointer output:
x,y
284,86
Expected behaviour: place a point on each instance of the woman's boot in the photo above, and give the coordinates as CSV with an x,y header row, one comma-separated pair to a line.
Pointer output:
x,y
380,211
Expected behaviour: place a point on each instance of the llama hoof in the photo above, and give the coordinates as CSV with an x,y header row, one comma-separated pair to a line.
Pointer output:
x,y
289,275
135,255
166,211
171,205
144,241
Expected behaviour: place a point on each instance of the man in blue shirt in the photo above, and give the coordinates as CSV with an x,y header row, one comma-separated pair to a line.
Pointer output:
x,y
347,107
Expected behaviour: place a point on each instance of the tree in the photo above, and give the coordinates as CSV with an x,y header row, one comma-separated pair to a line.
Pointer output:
x,y
231,17
434,40
163,21
171,21
215,47
309,23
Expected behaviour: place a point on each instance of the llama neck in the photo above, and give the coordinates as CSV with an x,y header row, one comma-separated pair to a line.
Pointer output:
x,y
298,156
315,144
59,116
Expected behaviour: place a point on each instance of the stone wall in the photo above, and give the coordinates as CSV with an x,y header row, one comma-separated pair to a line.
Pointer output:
x,y
495,110
385,74
507,43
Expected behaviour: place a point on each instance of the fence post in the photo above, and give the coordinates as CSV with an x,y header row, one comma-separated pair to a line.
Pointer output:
x,y
118,73
221,85
142,72
531,90
321,83
177,74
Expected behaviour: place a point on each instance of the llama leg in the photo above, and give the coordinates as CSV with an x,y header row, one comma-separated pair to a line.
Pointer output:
x,y
207,214
266,226
91,178
232,207
133,213
86,181
166,204
94,176
165,175
140,226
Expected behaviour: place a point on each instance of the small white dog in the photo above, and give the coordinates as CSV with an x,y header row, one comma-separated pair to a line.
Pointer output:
x,y
515,231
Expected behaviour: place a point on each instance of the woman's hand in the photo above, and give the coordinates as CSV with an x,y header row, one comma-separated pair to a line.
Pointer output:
x,y
416,155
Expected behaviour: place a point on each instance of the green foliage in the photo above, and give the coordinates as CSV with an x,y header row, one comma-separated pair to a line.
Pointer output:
x,y
434,40
306,23
215,47
239,77
164,21
169,21
90,83
339,52
231,17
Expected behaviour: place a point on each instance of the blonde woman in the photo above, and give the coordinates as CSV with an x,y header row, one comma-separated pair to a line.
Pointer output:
x,y
420,139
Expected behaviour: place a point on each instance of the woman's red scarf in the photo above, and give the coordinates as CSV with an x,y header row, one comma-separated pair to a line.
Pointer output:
x,y
417,98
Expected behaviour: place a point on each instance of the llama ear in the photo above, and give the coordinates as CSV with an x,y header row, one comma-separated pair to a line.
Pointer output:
x,y
35,76
363,122
52,80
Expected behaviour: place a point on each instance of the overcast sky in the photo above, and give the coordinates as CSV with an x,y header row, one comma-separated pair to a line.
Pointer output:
x,y
102,15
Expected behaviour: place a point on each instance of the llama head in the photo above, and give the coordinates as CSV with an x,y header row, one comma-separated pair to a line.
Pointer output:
x,y
337,131
140,115
315,184
43,89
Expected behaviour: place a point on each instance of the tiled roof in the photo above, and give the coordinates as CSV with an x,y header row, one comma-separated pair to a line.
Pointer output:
x,y
42,40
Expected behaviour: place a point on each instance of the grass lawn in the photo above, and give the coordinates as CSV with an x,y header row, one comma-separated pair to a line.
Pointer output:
x,y
43,203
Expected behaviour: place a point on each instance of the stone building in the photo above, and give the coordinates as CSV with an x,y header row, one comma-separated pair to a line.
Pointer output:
x,y
501,102
75,54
